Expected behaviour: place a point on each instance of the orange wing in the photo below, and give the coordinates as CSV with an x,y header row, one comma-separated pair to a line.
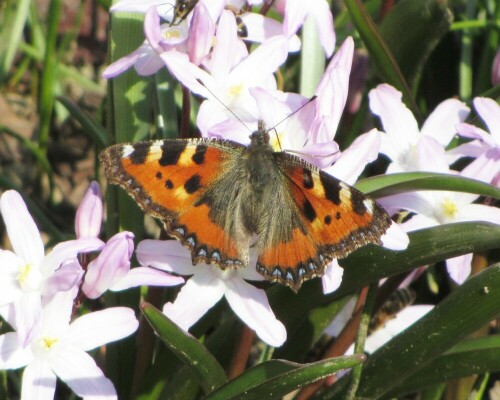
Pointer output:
x,y
335,219
173,180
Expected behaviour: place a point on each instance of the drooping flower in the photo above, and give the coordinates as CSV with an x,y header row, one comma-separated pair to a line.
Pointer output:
x,y
111,269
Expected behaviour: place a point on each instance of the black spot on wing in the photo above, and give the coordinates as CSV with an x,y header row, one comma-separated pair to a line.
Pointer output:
x,y
357,201
169,184
331,187
171,152
307,179
309,211
328,219
199,154
338,215
140,153
193,184
159,175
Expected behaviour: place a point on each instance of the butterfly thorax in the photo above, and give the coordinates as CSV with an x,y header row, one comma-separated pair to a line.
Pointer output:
x,y
260,163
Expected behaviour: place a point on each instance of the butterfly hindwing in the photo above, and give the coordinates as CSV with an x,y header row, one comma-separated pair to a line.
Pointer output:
x,y
175,181
335,219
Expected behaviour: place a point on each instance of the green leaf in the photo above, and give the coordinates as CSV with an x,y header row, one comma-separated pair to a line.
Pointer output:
x,y
188,349
276,378
471,357
386,185
91,127
465,310
380,52
412,30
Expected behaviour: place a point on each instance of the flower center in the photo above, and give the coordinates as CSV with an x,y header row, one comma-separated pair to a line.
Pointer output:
x,y
236,90
29,278
449,208
172,33
47,343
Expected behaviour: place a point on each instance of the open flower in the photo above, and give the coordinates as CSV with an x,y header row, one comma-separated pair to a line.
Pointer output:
x,y
249,303
27,274
402,141
486,146
58,349
434,208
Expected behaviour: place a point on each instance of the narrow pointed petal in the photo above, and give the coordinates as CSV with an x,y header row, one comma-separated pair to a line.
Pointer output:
x,y
354,159
479,212
473,149
295,14
418,222
473,132
223,55
88,218
124,63
167,255
201,34
21,228
459,268
398,121
252,307
68,250
27,314
189,306
333,277
39,382
152,29
395,238
441,124
81,373
145,276
12,355
111,265
414,202
100,327
489,110
323,18
9,269
64,278
431,156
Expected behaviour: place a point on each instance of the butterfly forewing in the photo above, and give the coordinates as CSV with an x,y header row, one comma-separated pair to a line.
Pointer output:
x,y
174,180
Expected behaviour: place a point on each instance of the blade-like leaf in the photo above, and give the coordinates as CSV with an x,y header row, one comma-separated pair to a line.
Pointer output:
x,y
465,310
380,52
274,379
476,356
386,185
188,349
372,263
412,29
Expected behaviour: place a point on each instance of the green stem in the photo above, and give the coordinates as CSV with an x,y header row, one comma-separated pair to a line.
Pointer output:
x,y
465,68
359,344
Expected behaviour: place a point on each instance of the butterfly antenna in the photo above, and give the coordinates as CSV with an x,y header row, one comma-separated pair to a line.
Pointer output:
x,y
224,105
294,112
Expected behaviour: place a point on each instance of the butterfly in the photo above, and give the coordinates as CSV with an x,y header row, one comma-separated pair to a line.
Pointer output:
x,y
217,196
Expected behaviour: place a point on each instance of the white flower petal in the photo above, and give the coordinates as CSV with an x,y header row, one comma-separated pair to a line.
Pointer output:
x,y
21,228
167,255
441,124
39,382
394,327
459,268
395,238
9,269
146,276
65,251
100,327
27,317
479,212
252,307
398,121
81,373
197,296
332,278
489,110
12,355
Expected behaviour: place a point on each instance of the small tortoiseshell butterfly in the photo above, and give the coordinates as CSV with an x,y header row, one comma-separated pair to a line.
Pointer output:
x,y
214,194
